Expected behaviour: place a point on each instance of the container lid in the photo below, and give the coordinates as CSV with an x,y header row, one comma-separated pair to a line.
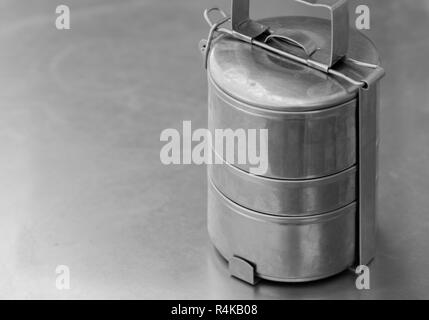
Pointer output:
x,y
264,79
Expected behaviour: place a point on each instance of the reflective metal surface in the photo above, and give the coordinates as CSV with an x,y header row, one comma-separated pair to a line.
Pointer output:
x,y
82,184
285,197
288,249
302,145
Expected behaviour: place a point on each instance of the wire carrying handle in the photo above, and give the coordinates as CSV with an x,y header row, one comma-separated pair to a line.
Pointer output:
x,y
208,12
205,44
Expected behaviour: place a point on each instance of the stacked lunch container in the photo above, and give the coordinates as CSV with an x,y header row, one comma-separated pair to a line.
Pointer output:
x,y
313,85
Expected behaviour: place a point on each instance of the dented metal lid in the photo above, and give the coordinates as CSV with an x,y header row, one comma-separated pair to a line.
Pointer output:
x,y
265,79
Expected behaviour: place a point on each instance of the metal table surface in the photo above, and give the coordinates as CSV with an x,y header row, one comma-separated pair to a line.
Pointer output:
x,y
82,185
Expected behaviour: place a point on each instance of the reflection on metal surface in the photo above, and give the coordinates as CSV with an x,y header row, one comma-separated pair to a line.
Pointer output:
x,y
302,145
285,197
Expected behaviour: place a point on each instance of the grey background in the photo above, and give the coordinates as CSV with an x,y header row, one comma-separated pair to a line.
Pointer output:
x,y
81,113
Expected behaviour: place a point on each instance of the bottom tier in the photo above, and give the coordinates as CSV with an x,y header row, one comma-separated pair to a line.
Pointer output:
x,y
285,249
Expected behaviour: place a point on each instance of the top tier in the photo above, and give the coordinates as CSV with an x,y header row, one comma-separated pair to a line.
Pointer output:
x,y
264,79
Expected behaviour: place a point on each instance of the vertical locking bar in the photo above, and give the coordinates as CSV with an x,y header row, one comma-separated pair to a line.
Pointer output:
x,y
368,117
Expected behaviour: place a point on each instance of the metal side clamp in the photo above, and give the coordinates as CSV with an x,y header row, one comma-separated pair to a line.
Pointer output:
x,y
368,113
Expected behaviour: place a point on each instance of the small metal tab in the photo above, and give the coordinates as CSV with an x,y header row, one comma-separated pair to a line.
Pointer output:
x,y
243,270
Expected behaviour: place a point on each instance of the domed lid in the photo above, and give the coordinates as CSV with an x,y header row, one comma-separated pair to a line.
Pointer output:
x,y
264,79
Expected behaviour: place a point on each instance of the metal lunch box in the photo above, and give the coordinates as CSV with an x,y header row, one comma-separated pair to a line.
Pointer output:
x,y
313,84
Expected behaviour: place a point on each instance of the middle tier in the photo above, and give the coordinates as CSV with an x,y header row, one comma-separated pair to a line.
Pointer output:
x,y
285,197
